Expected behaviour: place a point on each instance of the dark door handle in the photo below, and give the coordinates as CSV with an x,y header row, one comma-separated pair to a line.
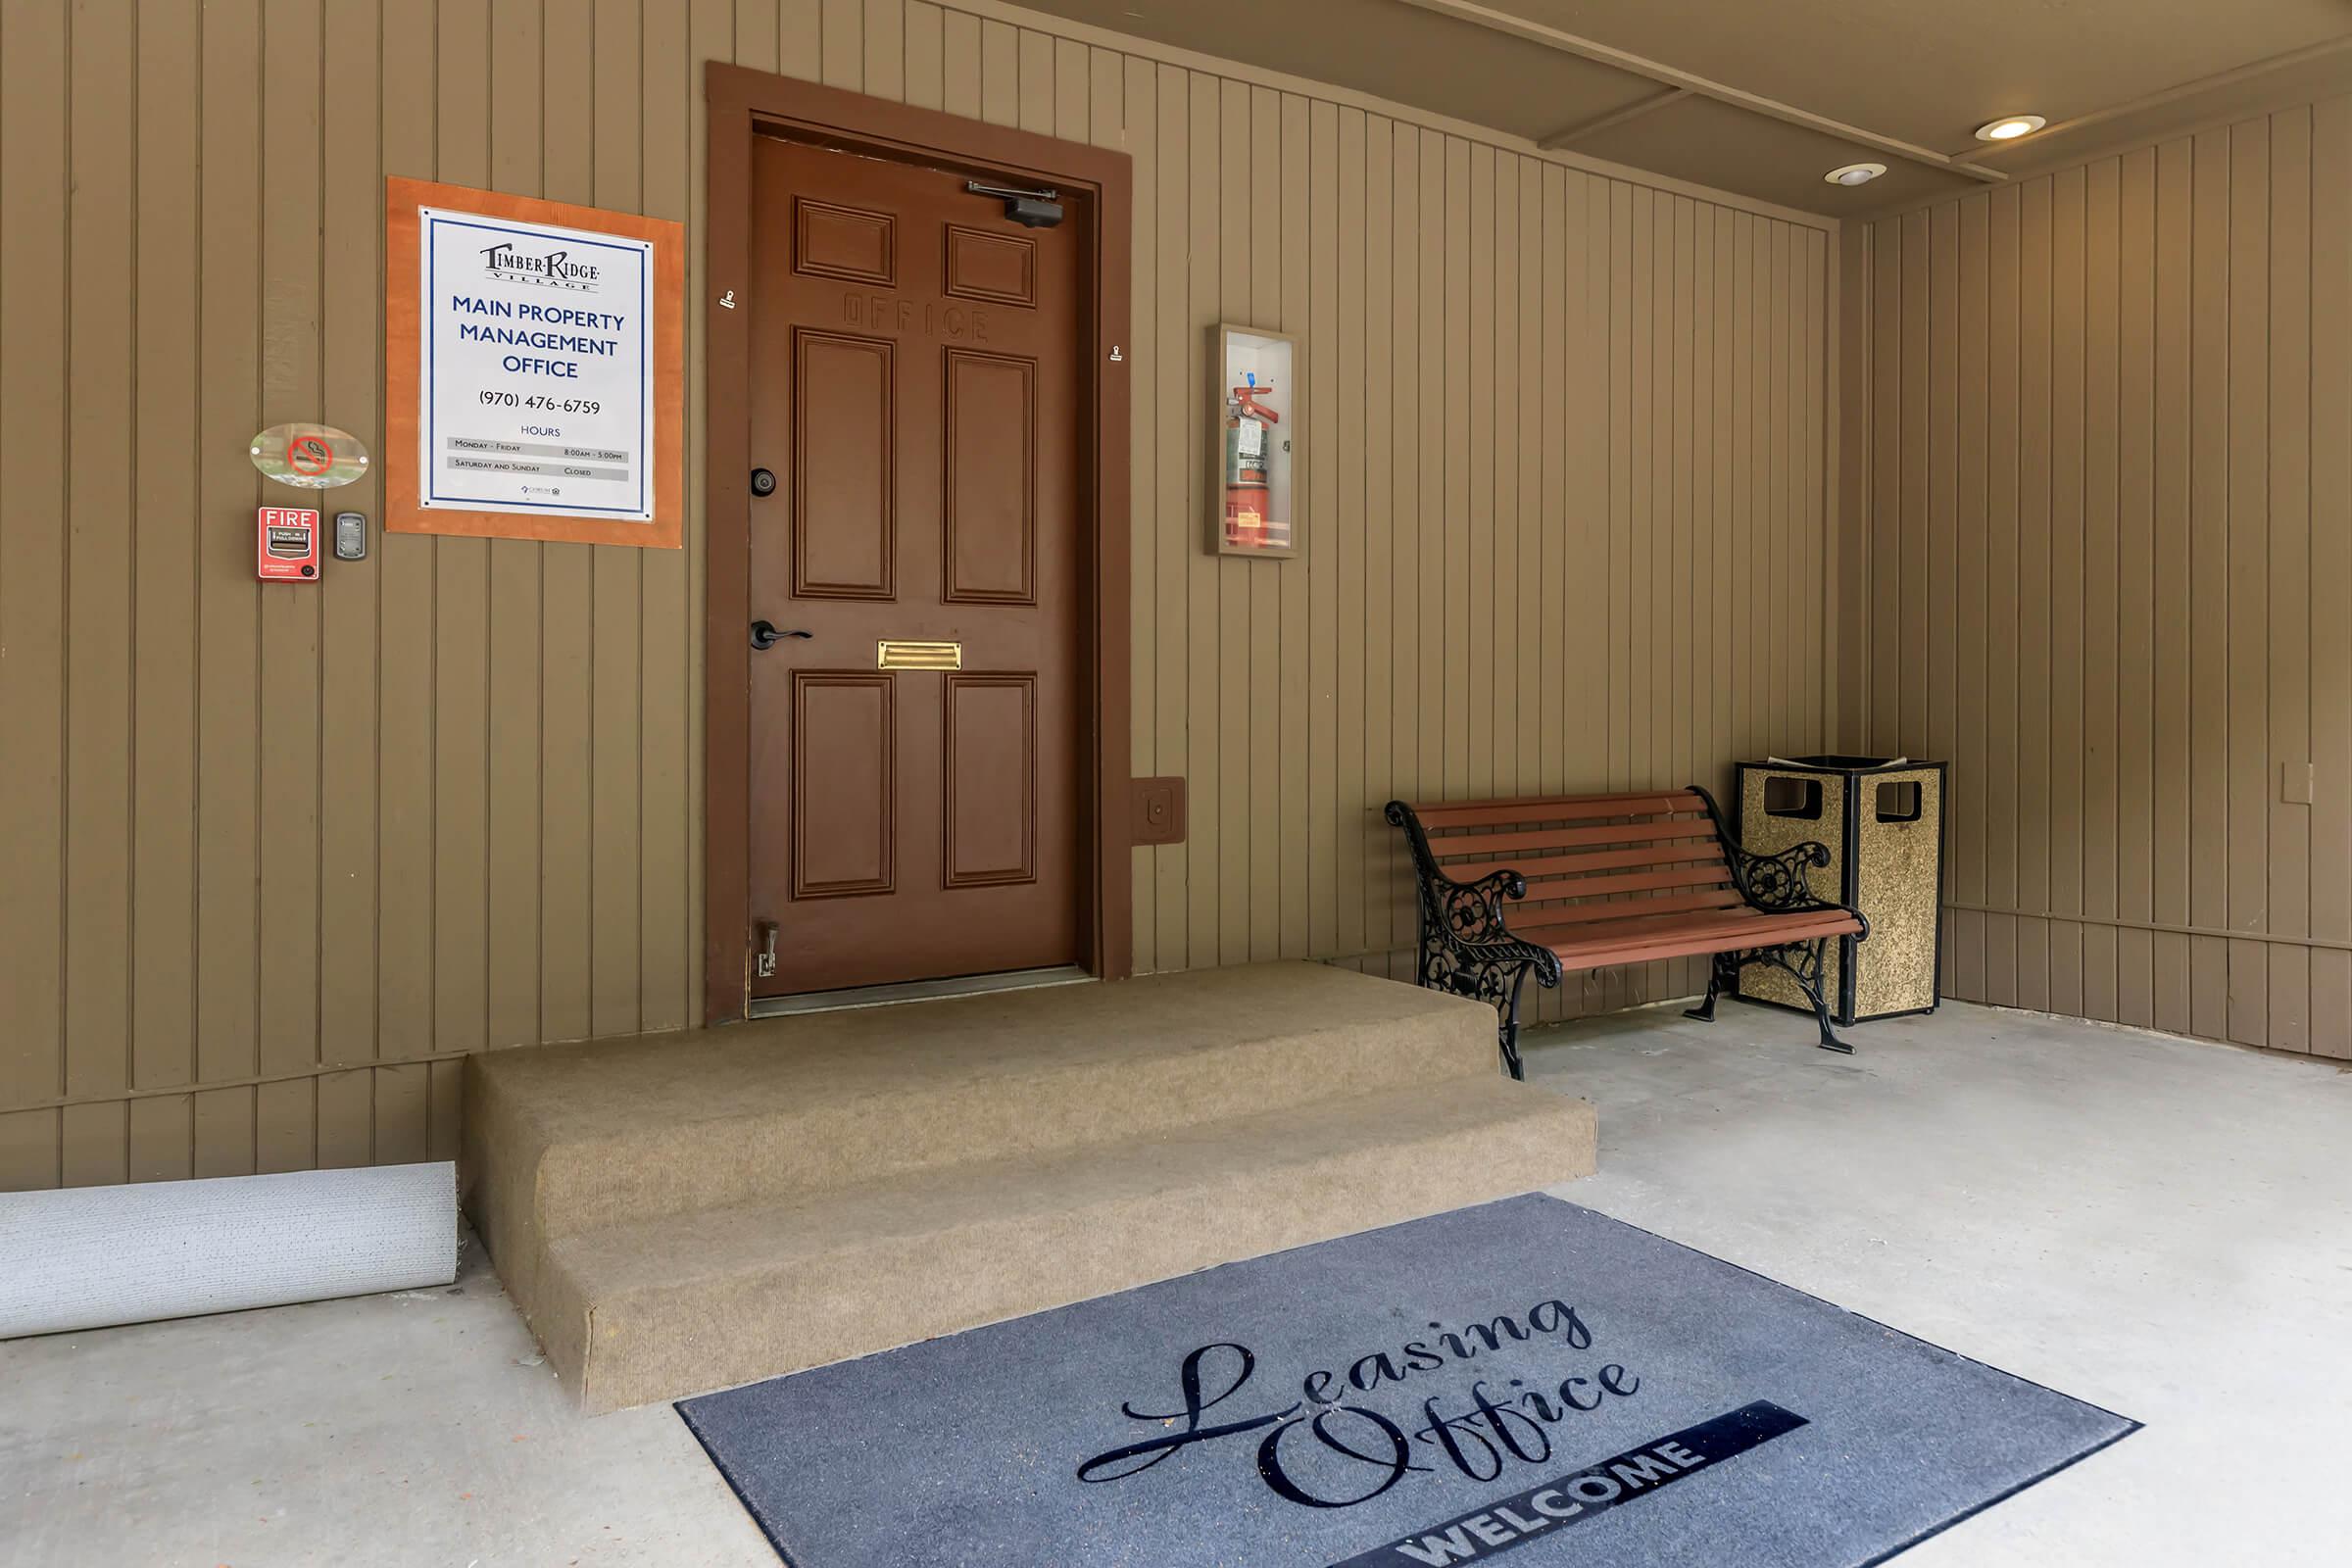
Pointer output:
x,y
764,634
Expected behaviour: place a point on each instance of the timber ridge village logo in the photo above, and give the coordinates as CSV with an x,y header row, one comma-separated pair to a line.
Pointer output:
x,y
554,269
1483,1403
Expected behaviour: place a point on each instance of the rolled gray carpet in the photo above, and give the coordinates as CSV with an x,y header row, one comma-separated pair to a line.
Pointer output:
x,y
92,1256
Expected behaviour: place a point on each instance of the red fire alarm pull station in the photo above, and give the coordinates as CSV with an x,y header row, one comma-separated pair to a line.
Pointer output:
x,y
288,544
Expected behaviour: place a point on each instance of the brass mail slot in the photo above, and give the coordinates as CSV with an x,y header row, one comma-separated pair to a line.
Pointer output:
x,y
893,654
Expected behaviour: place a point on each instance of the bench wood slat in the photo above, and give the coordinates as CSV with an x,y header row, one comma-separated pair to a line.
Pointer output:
x,y
1691,948
1636,921
1535,912
1570,879
1557,863
1678,936
1441,817
1578,887
1488,845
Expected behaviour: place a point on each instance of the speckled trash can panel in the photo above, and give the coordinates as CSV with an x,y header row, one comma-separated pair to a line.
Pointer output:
x,y
1899,887
1525,1382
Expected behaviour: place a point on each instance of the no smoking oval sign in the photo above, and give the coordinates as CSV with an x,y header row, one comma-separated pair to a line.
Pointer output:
x,y
310,456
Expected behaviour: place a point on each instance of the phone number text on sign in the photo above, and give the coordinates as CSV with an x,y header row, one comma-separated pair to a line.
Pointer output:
x,y
536,383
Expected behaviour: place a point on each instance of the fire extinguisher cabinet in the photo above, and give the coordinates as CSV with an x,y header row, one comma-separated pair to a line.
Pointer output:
x,y
1881,819
1256,408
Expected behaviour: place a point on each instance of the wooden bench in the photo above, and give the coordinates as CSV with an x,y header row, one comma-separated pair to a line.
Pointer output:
x,y
1597,880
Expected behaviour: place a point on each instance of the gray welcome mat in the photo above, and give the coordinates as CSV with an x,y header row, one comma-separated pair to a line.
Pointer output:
x,y
1526,1381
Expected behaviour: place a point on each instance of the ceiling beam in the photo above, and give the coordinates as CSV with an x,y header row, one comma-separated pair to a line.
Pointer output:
x,y
1615,116
2163,96
1569,43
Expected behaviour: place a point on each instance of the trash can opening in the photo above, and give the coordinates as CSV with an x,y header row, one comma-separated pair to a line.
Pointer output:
x,y
1898,802
1792,796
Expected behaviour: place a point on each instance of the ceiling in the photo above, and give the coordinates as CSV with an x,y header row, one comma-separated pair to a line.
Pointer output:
x,y
1763,97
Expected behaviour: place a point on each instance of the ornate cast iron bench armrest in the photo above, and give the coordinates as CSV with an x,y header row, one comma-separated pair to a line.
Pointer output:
x,y
1776,883
1465,945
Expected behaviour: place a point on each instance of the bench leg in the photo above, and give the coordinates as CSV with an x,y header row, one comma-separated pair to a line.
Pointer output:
x,y
1808,976
1722,974
1508,1031
1804,961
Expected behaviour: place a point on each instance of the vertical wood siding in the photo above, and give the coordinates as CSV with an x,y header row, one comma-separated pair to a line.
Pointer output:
x,y
2106,514
276,860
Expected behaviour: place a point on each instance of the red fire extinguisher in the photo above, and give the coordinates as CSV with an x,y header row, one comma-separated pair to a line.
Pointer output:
x,y
1247,462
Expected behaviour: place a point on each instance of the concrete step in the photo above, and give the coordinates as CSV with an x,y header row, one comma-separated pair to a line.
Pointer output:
x,y
566,1140
656,1308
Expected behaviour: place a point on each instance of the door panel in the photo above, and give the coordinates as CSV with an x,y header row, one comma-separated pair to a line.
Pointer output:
x,y
844,455
991,772
982,266
845,242
916,387
992,461
844,781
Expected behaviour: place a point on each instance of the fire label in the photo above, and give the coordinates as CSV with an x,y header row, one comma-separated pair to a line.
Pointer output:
x,y
288,546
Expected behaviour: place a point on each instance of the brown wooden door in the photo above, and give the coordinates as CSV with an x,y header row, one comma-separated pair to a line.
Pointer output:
x,y
916,390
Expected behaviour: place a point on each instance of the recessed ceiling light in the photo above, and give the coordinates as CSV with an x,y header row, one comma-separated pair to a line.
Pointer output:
x,y
1855,173
2010,129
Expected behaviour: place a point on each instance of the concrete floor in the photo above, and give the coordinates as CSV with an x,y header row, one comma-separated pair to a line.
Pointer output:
x,y
2162,1227
2155,1225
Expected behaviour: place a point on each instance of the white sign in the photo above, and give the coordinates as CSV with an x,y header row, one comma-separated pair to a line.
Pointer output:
x,y
536,386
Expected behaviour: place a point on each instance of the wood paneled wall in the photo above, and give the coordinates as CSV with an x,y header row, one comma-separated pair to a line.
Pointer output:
x,y
2103,544
271,861
1565,531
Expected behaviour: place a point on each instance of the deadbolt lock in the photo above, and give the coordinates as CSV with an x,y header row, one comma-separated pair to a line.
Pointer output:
x,y
763,482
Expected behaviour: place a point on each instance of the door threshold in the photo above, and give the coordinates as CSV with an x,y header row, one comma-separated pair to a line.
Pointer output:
x,y
969,985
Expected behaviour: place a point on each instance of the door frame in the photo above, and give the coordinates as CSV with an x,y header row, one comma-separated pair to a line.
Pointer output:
x,y
745,105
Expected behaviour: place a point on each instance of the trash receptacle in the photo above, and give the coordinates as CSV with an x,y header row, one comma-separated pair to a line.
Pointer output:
x,y
1882,821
